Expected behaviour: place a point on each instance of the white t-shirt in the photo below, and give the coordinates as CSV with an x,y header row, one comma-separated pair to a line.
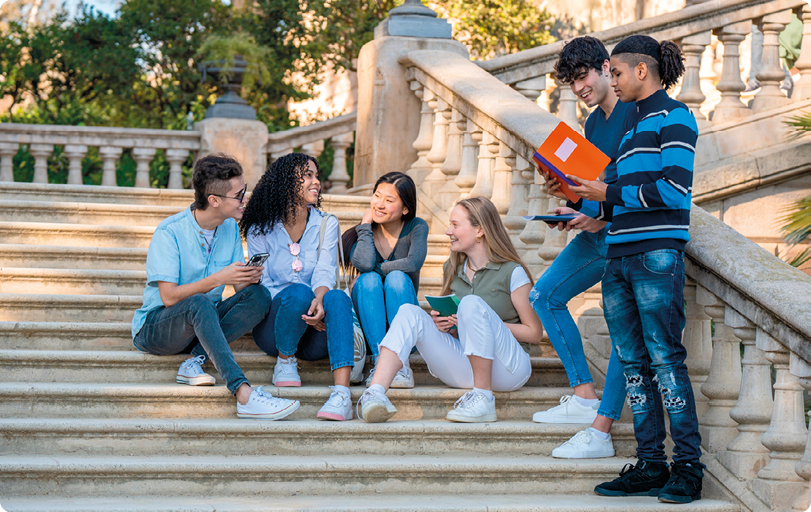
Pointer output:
x,y
518,278
209,236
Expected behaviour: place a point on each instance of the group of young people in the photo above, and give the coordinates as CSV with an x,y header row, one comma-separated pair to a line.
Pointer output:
x,y
634,224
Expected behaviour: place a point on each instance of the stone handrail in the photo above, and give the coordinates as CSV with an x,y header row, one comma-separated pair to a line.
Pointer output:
x,y
476,138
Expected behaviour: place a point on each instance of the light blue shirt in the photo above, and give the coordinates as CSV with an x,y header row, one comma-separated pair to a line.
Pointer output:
x,y
178,253
316,272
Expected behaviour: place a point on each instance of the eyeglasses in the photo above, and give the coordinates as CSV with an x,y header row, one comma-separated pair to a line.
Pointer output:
x,y
240,197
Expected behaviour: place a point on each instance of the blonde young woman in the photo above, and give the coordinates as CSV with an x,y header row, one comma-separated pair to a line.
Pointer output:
x,y
480,347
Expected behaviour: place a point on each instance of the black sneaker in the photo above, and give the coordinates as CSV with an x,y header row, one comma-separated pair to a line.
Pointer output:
x,y
684,485
644,479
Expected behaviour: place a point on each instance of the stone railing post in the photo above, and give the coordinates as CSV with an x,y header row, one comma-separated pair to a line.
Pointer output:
x,y
693,48
514,220
502,178
41,152
555,240
697,339
109,156
488,149
545,99
466,179
802,89
278,154
7,152
75,154
313,149
731,85
176,157
452,165
745,455
778,484
142,157
771,74
723,384
439,148
802,369
533,233
421,167
339,177
532,88
567,109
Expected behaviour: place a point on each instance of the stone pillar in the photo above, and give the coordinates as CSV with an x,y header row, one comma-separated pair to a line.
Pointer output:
x,y
567,107
545,99
339,175
41,152
488,149
388,114
693,48
422,143
452,165
502,178
532,88
802,89
723,384
142,157
242,139
7,152
555,240
771,74
533,233
176,157
778,484
75,154
802,369
697,339
731,85
314,149
514,220
745,455
439,148
109,157
466,179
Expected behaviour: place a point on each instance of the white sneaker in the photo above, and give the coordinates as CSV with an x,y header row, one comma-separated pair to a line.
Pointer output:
x,y
473,407
375,407
191,373
338,407
285,374
584,445
264,406
403,379
369,378
569,411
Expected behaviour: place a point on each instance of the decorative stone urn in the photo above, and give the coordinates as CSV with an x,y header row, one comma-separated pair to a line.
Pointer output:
x,y
230,104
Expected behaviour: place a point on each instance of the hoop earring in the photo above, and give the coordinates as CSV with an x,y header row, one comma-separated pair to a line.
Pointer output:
x,y
478,239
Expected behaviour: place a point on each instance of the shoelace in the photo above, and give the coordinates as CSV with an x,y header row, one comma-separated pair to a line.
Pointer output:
x,y
335,393
265,396
195,363
582,437
468,400
627,469
289,365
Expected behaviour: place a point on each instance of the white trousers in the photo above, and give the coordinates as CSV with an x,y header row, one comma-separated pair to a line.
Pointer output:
x,y
481,333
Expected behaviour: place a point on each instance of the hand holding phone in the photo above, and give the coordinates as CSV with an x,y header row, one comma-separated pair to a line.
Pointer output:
x,y
257,260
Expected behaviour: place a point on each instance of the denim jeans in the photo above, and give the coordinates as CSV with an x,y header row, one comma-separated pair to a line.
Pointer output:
x,y
198,326
283,331
643,296
578,267
377,301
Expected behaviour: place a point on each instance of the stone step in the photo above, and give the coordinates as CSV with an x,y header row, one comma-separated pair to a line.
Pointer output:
x,y
171,400
138,367
237,438
378,502
281,476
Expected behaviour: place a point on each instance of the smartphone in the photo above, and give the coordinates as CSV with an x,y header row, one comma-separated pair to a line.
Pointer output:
x,y
257,259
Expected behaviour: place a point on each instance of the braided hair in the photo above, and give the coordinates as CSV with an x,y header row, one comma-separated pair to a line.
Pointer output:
x,y
664,59
276,196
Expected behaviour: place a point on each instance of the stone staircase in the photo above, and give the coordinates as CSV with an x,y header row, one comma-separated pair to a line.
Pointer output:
x,y
87,423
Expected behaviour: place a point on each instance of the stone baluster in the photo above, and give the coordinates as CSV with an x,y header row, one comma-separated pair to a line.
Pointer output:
x,y
142,157
723,384
421,167
545,99
7,152
693,48
802,89
41,152
439,148
697,339
514,220
452,165
532,88
278,154
466,179
313,149
567,108
75,154
555,240
176,158
502,178
708,76
488,148
731,85
745,455
339,177
771,74
533,233
109,156
802,369
778,484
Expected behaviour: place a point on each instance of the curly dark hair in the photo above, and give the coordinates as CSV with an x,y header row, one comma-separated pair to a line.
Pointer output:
x,y
211,176
664,59
578,56
276,196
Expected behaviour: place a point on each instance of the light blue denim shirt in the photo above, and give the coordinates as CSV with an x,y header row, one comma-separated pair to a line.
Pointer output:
x,y
279,273
178,254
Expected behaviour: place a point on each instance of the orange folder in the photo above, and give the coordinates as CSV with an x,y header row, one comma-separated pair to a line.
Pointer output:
x,y
567,152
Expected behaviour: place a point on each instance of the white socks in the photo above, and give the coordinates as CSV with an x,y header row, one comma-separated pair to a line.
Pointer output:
x,y
587,402
599,435
376,387
342,389
486,392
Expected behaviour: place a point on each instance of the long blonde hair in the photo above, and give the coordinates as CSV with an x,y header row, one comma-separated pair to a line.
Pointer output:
x,y
481,212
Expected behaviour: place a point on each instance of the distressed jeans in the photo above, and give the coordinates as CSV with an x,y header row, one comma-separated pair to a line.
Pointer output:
x,y
643,296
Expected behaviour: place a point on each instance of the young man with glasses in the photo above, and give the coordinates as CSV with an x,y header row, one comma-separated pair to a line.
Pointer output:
x,y
191,258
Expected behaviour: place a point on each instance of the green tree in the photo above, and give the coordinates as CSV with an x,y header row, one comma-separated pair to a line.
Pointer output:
x,y
797,227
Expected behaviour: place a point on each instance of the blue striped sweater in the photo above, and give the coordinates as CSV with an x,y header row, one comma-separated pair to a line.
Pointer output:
x,y
649,204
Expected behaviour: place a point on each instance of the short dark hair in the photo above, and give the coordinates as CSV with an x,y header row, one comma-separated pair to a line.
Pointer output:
x,y
212,174
578,56
406,189
664,59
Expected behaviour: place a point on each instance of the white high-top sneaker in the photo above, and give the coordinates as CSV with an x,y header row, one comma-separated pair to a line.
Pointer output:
x,y
338,407
473,407
375,407
285,373
403,379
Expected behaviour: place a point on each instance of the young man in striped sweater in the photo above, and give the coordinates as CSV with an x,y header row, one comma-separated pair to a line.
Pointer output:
x,y
643,285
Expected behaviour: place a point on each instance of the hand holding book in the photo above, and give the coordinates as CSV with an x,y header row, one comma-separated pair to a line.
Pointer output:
x,y
591,190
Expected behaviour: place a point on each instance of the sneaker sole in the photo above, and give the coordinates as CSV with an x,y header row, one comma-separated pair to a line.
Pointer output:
x,y
487,418
195,381
564,421
599,455
378,414
288,384
272,416
672,498
333,416
401,385
605,492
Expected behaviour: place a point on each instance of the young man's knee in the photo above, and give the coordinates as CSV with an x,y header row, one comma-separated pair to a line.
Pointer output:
x,y
674,396
636,385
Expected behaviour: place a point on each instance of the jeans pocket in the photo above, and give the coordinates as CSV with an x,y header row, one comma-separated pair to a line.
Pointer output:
x,y
661,262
